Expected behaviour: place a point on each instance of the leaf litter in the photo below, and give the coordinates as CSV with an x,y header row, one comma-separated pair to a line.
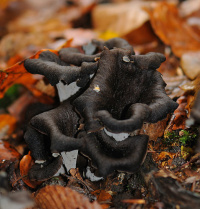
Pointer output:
x,y
172,163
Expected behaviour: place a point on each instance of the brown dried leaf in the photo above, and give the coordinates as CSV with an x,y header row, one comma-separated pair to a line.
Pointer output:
x,y
179,117
7,153
55,196
170,66
173,30
19,106
154,130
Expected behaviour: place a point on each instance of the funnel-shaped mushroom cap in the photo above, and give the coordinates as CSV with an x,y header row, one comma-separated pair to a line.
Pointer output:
x,y
108,155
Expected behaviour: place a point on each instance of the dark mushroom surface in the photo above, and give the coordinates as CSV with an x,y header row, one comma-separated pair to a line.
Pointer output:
x,y
120,91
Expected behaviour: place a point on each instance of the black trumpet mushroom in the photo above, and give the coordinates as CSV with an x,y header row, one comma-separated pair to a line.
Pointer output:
x,y
119,92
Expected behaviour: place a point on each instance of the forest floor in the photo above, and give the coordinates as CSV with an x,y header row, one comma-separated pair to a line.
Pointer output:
x,y
170,174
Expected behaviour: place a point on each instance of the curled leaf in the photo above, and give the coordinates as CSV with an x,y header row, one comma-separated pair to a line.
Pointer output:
x,y
25,165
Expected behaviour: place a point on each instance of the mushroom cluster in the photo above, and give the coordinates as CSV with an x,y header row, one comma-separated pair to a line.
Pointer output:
x,y
118,92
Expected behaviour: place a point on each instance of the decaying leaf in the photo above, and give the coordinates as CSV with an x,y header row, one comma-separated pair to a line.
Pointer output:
x,y
51,197
103,197
7,125
7,153
173,30
163,155
25,165
154,130
180,115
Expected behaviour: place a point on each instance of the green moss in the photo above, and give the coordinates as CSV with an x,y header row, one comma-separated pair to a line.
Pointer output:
x,y
187,137
10,96
182,137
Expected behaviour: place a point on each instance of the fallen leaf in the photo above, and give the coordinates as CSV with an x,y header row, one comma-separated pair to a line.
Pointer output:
x,y
25,165
7,125
163,155
19,106
75,173
144,39
192,87
7,153
18,74
103,197
170,27
59,197
179,117
119,18
173,85
134,201
188,7
170,66
190,172
154,130
165,174
79,36
190,63
4,3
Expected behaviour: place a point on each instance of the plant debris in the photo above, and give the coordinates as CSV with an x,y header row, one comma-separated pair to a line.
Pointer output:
x,y
137,139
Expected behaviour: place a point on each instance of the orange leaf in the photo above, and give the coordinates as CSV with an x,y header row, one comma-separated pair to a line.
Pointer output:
x,y
163,155
4,3
18,74
102,196
179,117
25,165
173,30
134,201
7,124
